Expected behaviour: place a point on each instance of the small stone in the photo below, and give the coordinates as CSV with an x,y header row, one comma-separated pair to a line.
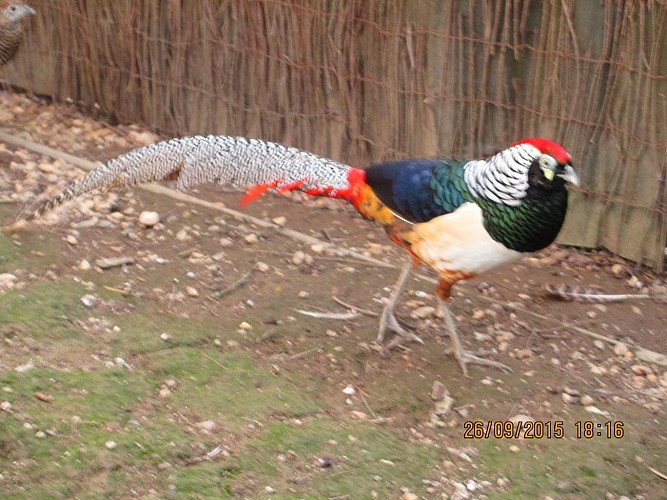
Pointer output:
x,y
40,435
182,235
359,415
523,353
171,383
207,425
438,391
570,399
71,239
620,349
586,400
251,238
164,466
617,269
262,267
149,219
409,496
84,265
225,242
280,221
89,301
599,344
423,312
443,407
6,406
636,310
349,390
635,283
514,448
245,326
164,393
298,258
478,314
317,248
111,445
165,336
641,370
269,490
191,291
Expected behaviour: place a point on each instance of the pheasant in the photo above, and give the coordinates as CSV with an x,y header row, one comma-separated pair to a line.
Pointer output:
x,y
460,218
11,28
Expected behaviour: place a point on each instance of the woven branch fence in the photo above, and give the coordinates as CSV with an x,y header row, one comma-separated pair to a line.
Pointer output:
x,y
362,81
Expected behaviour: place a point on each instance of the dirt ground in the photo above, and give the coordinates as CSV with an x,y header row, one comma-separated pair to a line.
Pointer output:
x,y
206,290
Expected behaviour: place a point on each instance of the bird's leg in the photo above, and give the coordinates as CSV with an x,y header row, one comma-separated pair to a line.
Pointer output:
x,y
464,358
388,319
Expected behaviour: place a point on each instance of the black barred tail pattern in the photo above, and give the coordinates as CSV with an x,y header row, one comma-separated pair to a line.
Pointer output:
x,y
233,161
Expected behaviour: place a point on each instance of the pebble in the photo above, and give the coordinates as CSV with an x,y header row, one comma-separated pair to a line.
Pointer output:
x,y
317,248
599,344
111,445
164,393
280,221
641,370
207,425
349,390
586,400
7,280
182,235
438,391
149,219
84,265
251,238
620,349
71,239
262,267
225,242
423,312
6,406
298,258
89,301
165,336
191,291
245,326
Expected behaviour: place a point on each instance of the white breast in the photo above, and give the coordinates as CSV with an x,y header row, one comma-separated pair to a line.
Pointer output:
x,y
459,242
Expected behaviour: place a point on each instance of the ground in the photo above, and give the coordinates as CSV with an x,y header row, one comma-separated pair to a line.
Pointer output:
x,y
191,372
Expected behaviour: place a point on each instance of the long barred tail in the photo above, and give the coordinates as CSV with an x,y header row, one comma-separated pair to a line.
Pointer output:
x,y
234,161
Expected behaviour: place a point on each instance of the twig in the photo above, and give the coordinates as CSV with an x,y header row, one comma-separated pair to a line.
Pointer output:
x,y
363,400
237,284
215,361
329,315
657,473
355,308
302,354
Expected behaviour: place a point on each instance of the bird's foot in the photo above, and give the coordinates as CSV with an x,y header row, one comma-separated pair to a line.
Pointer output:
x,y
389,322
466,358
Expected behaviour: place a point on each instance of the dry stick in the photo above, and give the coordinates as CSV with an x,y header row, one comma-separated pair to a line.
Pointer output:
x,y
640,352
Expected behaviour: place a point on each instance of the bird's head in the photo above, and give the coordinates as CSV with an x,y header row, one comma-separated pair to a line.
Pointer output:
x,y
14,11
553,167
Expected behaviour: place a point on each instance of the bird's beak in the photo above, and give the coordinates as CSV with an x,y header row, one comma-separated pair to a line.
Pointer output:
x,y
570,175
30,10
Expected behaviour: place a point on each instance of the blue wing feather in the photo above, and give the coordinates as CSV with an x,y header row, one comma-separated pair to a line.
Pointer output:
x,y
418,190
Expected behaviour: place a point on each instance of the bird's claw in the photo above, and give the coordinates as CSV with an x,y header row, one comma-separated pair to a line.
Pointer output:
x,y
466,358
389,322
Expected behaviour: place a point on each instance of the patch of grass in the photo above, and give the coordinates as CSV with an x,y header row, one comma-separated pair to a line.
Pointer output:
x,y
9,253
364,457
46,310
565,468
231,387
88,409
